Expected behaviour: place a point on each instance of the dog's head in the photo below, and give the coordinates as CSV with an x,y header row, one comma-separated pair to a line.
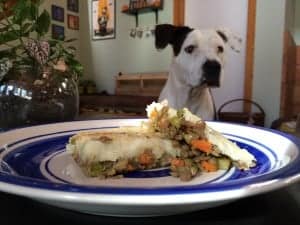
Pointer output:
x,y
199,53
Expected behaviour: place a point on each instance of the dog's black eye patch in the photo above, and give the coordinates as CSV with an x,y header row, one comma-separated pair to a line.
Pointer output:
x,y
169,34
189,49
222,35
220,49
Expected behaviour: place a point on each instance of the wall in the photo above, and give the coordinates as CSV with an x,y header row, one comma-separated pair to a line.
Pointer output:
x,y
270,22
297,14
210,14
104,59
297,22
68,32
290,15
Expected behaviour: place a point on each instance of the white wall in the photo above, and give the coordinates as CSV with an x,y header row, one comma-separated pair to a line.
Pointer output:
x,y
270,23
207,14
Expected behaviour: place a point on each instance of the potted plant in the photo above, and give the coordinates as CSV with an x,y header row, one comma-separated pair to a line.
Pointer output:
x,y
38,74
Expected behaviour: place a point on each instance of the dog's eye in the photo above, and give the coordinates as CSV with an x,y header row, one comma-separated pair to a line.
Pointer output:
x,y
220,49
189,49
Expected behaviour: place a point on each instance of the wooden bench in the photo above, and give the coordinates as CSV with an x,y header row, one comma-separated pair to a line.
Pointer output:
x,y
140,84
99,106
132,94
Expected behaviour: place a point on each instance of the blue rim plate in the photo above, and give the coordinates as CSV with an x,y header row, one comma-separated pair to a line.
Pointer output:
x,y
34,163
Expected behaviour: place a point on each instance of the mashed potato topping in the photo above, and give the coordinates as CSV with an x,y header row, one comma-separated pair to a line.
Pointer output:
x,y
155,106
111,146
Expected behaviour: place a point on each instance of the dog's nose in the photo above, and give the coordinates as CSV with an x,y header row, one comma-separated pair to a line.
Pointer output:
x,y
212,67
211,73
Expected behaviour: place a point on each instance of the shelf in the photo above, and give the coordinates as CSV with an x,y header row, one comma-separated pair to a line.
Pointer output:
x,y
144,84
109,106
145,9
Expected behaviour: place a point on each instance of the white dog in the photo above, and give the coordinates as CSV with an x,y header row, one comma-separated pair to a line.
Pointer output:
x,y
197,65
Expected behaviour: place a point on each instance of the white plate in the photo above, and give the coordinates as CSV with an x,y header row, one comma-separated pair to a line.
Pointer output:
x,y
34,164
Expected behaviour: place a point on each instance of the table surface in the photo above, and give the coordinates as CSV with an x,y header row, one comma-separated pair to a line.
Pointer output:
x,y
276,207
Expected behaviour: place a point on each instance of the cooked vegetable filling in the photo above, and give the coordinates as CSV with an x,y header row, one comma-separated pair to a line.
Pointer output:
x,y
198,154
143,161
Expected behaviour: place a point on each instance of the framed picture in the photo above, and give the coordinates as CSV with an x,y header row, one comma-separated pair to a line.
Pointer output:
x,y
73,6
103,21
58,13
73,22
58,32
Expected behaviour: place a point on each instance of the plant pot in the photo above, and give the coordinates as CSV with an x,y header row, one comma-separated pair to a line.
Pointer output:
x,y
27,100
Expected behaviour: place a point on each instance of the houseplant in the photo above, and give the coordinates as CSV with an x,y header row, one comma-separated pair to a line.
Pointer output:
x,y
38,74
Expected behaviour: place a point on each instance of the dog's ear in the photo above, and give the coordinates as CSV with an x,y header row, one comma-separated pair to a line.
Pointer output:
x,y
169,34
230,38
163,35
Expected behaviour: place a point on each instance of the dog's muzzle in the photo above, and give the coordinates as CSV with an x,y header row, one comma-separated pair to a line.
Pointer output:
x,y
211,73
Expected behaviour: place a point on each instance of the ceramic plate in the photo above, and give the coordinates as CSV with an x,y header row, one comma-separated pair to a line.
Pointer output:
x,y
34,164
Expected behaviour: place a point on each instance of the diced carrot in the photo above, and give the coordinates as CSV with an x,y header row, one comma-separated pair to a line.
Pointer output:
x,y
177,162
153,114
145,158
208,166
202,145
129,167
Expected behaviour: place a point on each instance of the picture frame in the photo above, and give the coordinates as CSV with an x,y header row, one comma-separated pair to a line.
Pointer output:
x,y
103,21
58,32
73,5
58,13
73,22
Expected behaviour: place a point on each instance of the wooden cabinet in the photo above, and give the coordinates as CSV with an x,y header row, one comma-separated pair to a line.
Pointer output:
x,y
290,86
296,96
143,84
298,55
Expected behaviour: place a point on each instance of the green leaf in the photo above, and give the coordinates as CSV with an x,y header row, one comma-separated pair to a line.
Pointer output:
x,y
21,12
3,29
26,28
1,6
71,40
68,53
53,42
8,36
43,23
5,53
34,11
71,48
74,65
